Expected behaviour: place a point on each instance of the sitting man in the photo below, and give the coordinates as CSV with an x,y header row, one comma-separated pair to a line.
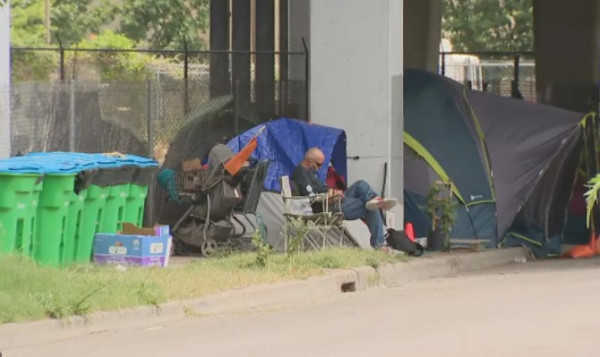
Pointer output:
x,y
358,202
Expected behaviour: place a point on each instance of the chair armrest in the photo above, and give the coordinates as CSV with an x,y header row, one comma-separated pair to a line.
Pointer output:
x,y
314,198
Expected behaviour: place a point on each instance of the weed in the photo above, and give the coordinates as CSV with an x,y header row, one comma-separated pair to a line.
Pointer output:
x,y
263,250
372,262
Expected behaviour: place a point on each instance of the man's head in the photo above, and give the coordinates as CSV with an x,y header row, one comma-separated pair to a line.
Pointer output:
x,y
313,159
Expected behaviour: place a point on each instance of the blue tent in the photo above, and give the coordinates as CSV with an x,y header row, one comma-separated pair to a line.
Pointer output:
x,y
284,143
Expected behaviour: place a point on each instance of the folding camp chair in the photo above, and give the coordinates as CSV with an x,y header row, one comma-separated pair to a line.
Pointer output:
x,y
323,229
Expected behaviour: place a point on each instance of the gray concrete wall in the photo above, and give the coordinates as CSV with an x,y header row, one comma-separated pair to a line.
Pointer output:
x,y
4,80
422,33
567,47
356,84
299,28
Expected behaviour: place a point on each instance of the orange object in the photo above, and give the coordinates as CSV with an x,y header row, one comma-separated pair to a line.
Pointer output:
x,y
581,251
234,165
409,230
584,251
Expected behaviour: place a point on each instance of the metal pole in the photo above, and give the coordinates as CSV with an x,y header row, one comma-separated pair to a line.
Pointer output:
x,y
236,114
62,62
186,98
307,74
72,115
150,122
443,63
149,212
515,84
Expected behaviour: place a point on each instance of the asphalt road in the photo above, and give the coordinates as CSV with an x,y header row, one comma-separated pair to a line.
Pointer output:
x,y
533,309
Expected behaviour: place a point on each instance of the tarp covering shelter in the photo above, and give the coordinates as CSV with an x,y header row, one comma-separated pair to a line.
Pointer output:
x,y
284,143
512,163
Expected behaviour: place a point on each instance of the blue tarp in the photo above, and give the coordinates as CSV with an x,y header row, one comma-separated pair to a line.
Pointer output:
x,y
284,143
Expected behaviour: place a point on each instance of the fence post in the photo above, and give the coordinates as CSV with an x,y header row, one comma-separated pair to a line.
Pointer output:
x,y
514,88
62,60
72,115
236,109
443,63
149,215
150,122
186,98
307,74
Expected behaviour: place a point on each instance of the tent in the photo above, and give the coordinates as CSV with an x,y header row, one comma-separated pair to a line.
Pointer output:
x,y
512,163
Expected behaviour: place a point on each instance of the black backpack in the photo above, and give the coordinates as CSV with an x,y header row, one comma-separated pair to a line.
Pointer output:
x,y
399,241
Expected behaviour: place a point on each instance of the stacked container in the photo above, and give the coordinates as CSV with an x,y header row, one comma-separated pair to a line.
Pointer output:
x,y
20,187
52,204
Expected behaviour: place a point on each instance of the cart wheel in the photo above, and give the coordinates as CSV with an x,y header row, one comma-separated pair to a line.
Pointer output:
x,y
208,247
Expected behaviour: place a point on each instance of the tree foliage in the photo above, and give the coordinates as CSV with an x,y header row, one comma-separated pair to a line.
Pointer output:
x,y
27,23
489,25
165,23
161,23
113,65
27,30
73,20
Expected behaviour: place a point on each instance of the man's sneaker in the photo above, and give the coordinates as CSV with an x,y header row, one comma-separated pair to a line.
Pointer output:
x,y
381,203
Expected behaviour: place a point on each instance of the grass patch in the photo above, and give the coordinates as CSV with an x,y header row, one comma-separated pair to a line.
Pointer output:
x,y
29,291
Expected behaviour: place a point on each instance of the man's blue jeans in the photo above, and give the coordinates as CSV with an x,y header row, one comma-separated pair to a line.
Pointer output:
x,y
353,207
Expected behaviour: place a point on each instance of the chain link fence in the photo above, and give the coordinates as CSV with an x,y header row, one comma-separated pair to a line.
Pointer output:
x,y
506,74
137,101
168,105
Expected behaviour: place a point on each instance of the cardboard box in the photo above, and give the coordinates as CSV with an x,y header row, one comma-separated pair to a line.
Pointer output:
x,y
134,246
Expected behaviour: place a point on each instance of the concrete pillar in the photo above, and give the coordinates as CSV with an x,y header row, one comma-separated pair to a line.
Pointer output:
x,y
357,84
265,62
240,62
299,28
422,34
220,83
4,79
567,53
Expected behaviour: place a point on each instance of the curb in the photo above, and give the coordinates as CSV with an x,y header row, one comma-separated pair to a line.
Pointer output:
x,y
260,296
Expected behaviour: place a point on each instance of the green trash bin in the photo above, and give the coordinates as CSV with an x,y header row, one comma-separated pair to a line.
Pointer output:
x,y
136,202
119,180
93,191
75,226
19,194
91,221
138,192
52,236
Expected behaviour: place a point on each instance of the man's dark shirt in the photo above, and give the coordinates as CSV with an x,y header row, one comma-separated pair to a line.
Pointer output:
x,y
308,182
